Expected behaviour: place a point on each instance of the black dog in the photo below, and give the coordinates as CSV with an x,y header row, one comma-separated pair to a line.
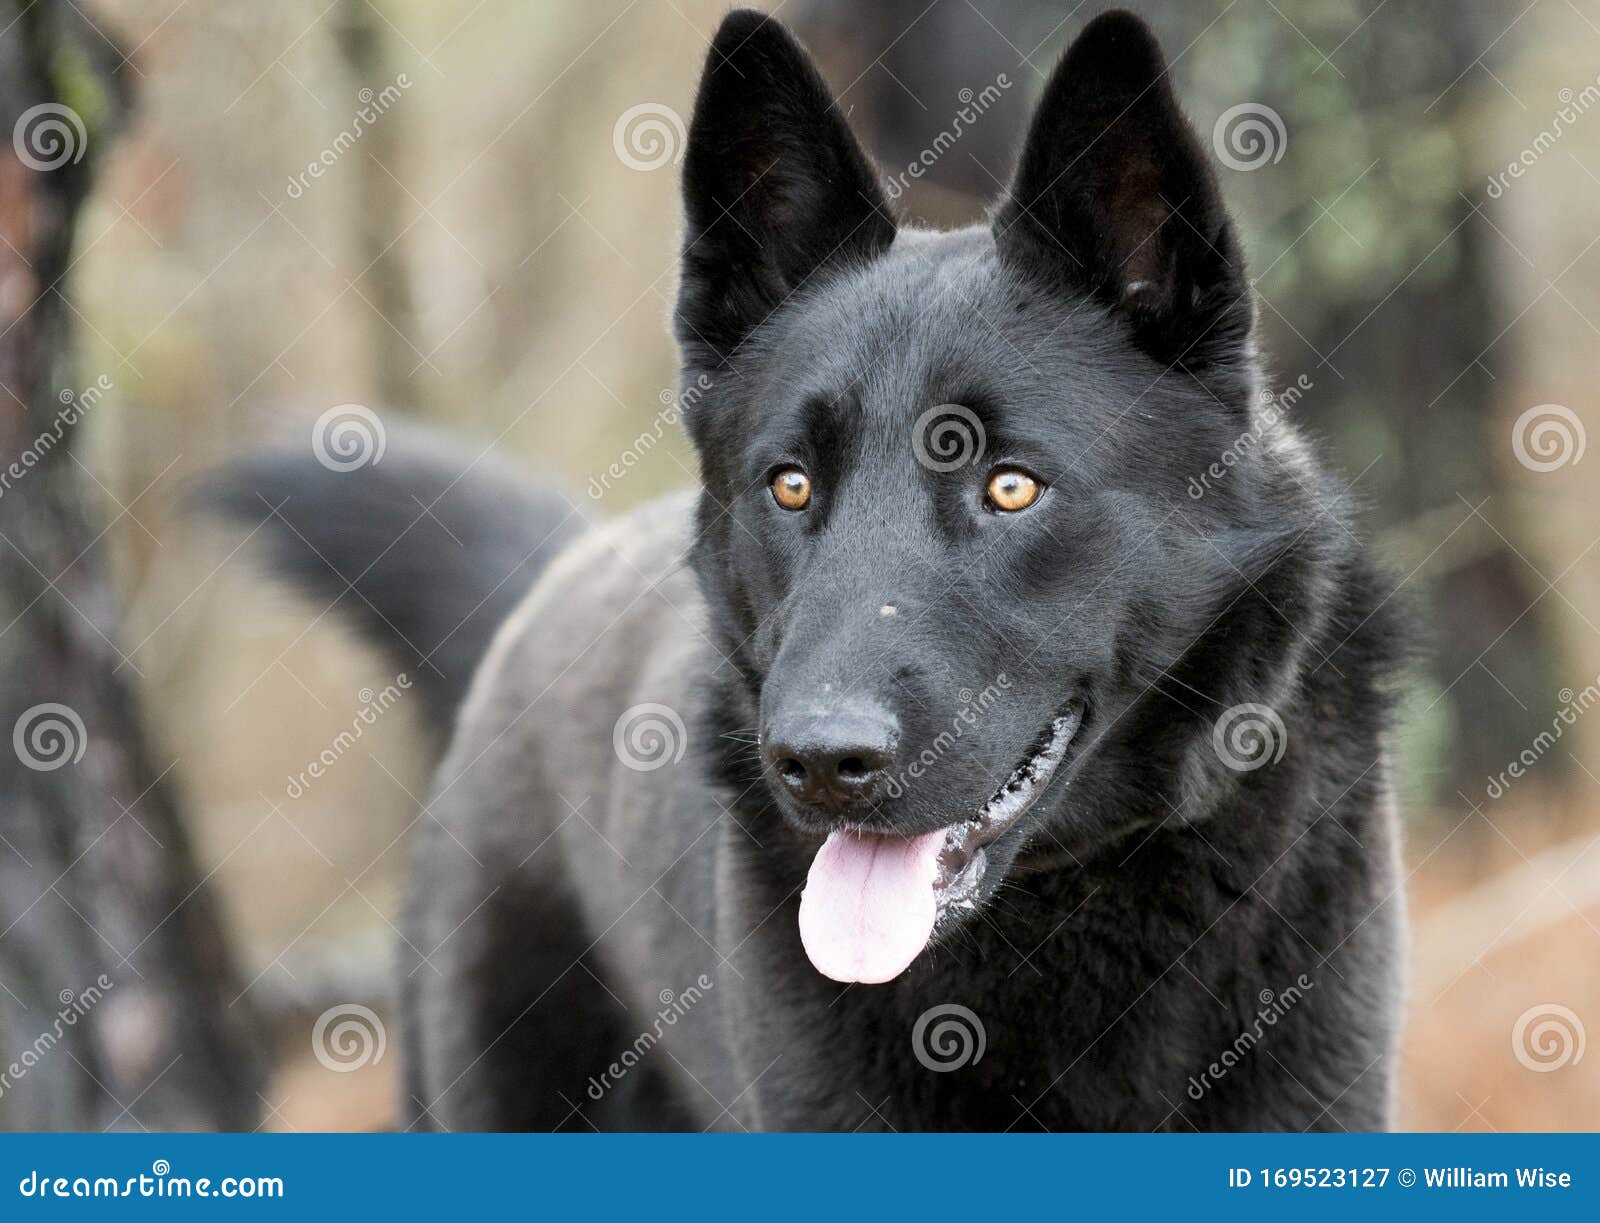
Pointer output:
x,y
973,772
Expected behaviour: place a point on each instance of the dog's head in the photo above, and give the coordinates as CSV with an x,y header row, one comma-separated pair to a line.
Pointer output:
x,y
944,529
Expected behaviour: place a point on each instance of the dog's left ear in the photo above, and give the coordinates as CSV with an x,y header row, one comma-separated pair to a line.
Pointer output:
x,y
1114,196
775,189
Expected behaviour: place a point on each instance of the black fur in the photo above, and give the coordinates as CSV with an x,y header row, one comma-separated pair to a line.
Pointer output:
x,y
428,549
1129,930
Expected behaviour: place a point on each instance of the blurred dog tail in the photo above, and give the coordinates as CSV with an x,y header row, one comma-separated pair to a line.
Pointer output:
x,y
424,550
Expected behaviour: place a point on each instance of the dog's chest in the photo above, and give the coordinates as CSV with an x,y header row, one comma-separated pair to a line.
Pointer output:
x,y
1029,1025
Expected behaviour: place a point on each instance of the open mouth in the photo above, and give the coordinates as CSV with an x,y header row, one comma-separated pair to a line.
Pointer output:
x,y
872,901
962,860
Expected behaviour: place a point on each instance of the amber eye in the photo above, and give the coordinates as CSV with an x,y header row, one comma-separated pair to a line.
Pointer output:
x,y
791,488
1011,489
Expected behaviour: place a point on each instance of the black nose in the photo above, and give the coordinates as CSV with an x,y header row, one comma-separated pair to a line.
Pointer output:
x,y
837,760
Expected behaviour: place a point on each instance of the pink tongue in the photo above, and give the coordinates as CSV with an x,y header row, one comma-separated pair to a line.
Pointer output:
x,y
868,907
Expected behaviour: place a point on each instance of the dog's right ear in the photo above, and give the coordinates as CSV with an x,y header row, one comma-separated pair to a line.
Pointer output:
x,y
775,188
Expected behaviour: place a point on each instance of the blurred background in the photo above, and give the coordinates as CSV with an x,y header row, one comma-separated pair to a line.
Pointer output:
x,y
255,216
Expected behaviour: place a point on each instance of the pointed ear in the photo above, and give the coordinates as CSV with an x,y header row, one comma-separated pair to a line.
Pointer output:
x,y
775,188
1115,197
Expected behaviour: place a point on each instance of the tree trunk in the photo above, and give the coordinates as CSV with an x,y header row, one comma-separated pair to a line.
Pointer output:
x,y
115,986
378,216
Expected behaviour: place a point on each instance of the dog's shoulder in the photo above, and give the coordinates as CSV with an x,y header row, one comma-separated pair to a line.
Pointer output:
x,y
598,603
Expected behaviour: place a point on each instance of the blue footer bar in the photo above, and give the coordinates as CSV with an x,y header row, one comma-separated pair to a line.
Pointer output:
x,y
920,1177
